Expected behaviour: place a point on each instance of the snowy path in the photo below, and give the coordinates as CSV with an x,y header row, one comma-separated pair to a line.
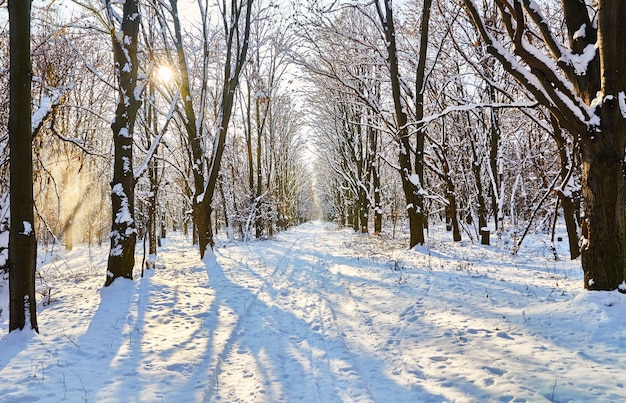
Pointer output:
x,y
323,317
301,333
320,315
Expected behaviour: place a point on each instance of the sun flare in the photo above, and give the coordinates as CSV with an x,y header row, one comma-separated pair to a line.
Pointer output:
x,y
164,73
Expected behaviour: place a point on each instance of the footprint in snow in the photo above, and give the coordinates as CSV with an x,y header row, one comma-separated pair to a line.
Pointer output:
x,y
495,371
438,358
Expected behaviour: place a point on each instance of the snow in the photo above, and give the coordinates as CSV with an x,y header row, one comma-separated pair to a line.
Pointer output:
x,y
123,214
319,314
124,132
28,228
621,97
580,62
581,32
415,180
45,106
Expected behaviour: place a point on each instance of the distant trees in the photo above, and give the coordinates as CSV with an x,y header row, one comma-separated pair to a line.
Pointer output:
x,y
371,72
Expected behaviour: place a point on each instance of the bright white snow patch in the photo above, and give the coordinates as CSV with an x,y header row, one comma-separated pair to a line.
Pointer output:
x,y
44,109
123,214
622,103
124,133
580,32
580,62
28,228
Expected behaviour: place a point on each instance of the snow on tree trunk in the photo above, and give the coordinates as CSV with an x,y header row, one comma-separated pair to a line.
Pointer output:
x,y
123,228
411,182
22,242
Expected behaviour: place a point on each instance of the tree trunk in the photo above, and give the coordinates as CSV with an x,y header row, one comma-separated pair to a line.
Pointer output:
x,y
603,183
363,211
566,192
569,215
375,171
480,196
603,247
378,211
454,218
494,150
193,137
123,229
258,205
153,177
451,209
22,240
236,57
411,182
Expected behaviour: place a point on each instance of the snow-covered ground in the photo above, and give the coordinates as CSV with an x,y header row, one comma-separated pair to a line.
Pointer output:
x,y
319,315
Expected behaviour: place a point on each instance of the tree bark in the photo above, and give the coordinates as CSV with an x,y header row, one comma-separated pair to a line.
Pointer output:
x,y
123,228
603,183
22,240
411,183
236,57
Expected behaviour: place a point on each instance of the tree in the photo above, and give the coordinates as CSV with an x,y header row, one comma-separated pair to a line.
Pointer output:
x,y
412,172
22,241
583,85
123,227
236,20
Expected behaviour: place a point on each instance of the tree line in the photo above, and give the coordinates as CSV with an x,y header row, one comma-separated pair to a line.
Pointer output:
x,y
497,117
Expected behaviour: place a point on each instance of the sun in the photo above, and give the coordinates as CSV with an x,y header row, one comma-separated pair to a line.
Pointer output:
x,y
164,73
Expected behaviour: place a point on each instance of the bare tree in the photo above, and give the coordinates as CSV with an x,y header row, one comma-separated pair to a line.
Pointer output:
x,y
22,241
236,19
123,227
583,85
410,157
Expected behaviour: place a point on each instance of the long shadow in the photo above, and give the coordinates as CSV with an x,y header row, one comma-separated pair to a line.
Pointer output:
x,y
106,334
290,343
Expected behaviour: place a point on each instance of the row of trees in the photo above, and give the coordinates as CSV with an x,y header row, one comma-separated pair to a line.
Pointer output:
x,y
178,144
488,116
502,115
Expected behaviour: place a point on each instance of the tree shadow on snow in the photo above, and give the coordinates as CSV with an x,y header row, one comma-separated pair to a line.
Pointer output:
x,y
297,358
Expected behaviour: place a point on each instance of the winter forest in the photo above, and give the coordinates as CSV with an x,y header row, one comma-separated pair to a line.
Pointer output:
x,y
307,200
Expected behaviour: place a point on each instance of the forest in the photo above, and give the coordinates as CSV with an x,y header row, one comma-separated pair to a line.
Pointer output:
x,y
312,200
123,121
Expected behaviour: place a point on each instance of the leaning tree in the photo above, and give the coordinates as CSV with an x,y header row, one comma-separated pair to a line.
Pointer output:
x,y
583,85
